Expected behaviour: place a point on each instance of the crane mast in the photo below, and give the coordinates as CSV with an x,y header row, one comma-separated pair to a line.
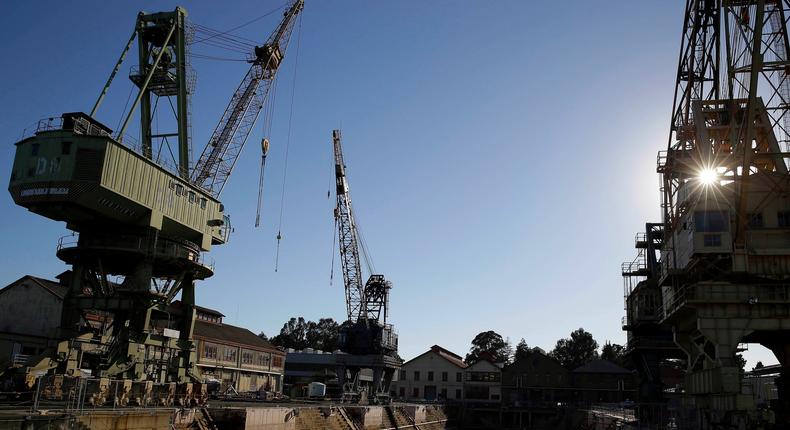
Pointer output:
x,y
222,151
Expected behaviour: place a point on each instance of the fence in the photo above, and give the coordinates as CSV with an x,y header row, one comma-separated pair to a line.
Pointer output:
x,y
76,394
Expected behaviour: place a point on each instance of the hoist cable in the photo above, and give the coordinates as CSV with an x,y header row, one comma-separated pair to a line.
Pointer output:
x,y
288,143
223,33
334,241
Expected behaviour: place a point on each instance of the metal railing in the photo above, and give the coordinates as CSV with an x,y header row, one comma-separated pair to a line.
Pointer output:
x,y
19,359
78,394
164,248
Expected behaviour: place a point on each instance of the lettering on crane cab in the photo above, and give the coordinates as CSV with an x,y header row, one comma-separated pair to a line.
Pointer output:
x,y
47,166
60,191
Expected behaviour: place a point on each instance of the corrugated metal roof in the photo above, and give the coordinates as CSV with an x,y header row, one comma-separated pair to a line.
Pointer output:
x,y
229,333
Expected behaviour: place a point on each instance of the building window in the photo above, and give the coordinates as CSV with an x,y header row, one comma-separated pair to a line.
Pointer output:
x,y
459,377
402,375
210,351
229,354
416,392
755,220
712,240
443,394
783,218
483,376
430,375
402,392
711,221
416,375
262,359
458,394
65,148
203,202
277,361
247,357
34,149
192,197
179,190
444,376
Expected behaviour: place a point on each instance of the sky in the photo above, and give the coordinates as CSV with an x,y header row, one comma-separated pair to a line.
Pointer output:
x,y
501,155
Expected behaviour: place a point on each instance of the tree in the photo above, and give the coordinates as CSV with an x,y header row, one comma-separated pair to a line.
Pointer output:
x,y
577,350
489,343
293,334
323,334
614,353
759,365
741,362
300,334
263,336
522,350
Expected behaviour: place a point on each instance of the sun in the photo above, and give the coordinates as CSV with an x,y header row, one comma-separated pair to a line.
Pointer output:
x,y
708,176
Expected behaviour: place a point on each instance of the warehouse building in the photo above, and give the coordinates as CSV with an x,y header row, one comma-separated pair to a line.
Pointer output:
x,y
435,375
234,357
30,309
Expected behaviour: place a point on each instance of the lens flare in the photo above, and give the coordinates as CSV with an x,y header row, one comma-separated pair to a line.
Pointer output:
x,y
708,176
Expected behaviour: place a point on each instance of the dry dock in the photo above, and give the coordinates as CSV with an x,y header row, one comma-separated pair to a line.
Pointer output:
x,y
313,417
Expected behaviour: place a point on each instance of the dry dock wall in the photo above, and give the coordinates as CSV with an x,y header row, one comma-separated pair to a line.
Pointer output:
x,y
236,418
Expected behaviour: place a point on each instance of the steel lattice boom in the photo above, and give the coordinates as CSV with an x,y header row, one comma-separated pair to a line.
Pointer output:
x,y
363,303
220,154
347,237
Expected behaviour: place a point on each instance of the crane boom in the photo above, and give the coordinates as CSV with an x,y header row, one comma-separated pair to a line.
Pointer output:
x,y
347,237
368,302
220,154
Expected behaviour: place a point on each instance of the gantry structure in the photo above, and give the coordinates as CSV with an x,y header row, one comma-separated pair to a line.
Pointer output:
x,y
715,273
141,224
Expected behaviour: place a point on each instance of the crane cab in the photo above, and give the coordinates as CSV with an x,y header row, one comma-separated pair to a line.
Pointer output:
x,y
269,56
71,169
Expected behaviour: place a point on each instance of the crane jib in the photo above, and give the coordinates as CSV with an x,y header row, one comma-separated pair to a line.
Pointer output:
x,y
216,162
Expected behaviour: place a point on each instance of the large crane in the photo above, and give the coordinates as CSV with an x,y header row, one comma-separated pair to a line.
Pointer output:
x,y
719,279
366,336
140,224
368,303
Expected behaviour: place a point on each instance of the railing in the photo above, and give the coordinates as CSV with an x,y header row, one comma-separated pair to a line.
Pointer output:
x,y
650,342
19,359
164,248
661,160
76,394
85,127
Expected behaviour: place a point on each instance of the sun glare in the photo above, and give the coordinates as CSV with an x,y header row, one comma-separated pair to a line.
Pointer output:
x,y
708,176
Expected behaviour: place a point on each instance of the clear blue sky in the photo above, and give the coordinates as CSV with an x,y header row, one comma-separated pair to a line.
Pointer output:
x,y
501,155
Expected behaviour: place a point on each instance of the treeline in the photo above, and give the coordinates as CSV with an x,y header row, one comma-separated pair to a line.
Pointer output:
x,y
574,351
577,349
300,334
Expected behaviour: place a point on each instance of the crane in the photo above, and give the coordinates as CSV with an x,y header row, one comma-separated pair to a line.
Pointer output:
x,y
139,223
366,303
366,335
220,154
